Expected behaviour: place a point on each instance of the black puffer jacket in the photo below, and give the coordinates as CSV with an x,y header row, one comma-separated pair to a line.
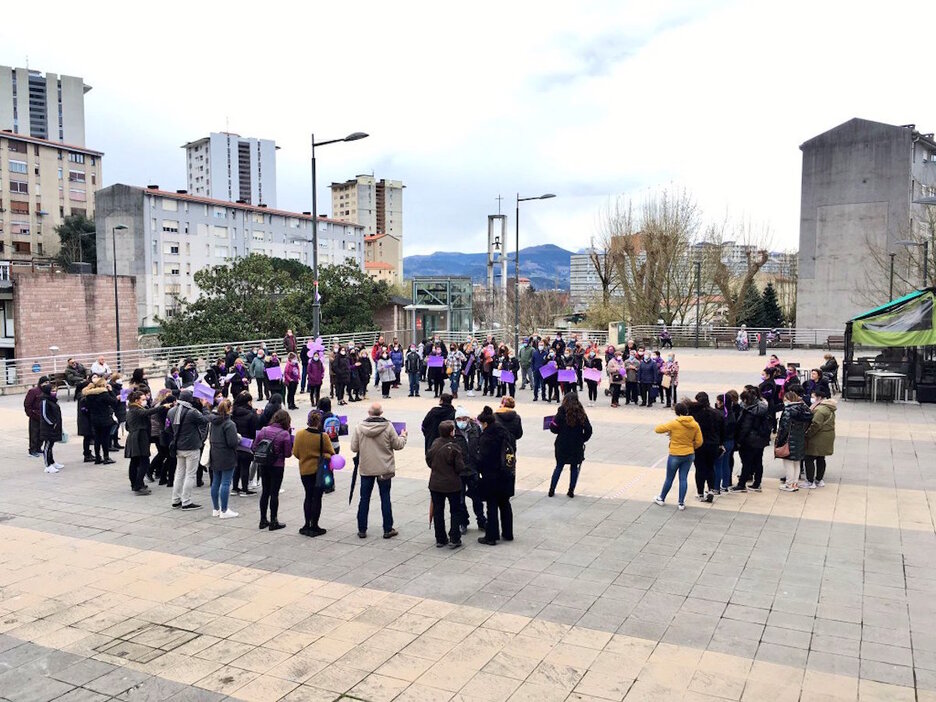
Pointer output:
x,y
468,441
432,420
495,482
100,404
792,429
570,440
245,418
753,429
711,423
510,420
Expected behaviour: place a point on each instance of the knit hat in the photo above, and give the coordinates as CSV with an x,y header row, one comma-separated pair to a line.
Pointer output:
x,y
43,380
186,396
461,412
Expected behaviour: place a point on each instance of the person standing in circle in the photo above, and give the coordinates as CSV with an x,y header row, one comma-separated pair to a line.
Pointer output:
x,y
685,437
572,430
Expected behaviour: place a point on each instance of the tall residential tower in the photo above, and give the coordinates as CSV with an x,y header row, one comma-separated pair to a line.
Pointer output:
x,y
229,167
377,205
44,106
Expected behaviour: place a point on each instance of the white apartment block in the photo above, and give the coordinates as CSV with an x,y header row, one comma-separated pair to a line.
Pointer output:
x,y
172,235
45,106
42,183
229,167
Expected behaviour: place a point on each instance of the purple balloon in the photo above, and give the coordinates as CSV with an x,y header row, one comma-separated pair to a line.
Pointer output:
x,y
337,462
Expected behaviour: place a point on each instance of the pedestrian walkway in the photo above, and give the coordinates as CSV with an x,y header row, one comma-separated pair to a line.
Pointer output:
x,y
818,595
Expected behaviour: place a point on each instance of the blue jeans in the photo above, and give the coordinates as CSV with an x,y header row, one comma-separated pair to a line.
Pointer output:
x,y
413,383
723,466
221,483
538,384
453,382
680,464
386,511
305,373
573,476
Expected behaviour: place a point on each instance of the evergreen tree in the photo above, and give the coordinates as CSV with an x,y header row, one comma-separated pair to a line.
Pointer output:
x,y
772,314
77,241
752,308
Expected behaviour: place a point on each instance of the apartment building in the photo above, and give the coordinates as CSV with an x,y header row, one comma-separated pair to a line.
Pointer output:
x,y
226,166
46,106
172,235
377,205
41,183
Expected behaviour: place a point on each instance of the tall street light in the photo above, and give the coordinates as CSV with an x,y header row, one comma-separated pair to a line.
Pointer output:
x,y
121,228
891,293
698,299
316,298
925,245
545,196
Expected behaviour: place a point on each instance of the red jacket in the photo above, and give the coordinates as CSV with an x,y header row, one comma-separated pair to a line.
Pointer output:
x,y
32,403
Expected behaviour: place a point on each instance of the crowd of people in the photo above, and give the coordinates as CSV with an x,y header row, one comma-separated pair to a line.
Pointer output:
x,y
472,459
797,418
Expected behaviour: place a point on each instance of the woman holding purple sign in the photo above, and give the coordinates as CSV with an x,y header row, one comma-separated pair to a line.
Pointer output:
x,y
572,430
222,459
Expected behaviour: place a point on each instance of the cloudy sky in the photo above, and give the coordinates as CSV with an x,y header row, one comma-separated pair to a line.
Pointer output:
x,y
465,101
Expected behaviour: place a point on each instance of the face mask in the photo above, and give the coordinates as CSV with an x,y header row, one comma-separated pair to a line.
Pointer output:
x,y
617,358
53,394
384,357
461,425
591,355
646,356
542,348
343,353
315,357
175,375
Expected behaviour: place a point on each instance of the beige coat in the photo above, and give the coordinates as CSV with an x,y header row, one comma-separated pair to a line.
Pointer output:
x,y
375,440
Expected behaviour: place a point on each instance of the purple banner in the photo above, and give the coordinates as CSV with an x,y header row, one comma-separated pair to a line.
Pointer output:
x,y
567,375
203,392
468,365
507,377
343,419
124,394
435,361
246,442
547,421
400,427
548,370
274,373
591,374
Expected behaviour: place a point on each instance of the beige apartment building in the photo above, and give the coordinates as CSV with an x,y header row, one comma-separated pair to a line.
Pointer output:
x,y
41,183
377,205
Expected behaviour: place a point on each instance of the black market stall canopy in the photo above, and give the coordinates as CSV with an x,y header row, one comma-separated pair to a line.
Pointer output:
x,y
905,331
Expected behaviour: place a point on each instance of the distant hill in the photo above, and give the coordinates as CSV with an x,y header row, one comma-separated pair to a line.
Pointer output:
x,y
546,266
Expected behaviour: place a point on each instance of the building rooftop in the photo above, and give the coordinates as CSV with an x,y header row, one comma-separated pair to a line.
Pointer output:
x,y
378,266
236,205
9,134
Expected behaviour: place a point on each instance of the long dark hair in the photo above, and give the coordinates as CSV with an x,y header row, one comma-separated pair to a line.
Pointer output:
x,y
574,412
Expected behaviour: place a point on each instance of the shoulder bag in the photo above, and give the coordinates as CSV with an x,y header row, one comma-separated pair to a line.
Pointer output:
x,y
324,475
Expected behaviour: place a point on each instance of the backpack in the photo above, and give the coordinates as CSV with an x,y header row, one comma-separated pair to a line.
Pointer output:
x,y
264,453
508,457
331,426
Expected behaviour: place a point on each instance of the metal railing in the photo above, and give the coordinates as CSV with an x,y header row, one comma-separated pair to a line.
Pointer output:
x,y
23,372
684,335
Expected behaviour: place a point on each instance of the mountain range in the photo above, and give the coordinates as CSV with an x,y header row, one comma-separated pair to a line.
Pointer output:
x,y
547,266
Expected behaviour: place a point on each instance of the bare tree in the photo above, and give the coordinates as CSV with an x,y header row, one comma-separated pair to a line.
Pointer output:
x,y
735,253
907,261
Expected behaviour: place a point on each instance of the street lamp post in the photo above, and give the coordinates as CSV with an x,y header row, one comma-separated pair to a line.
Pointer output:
x,y
316,298
698,299
891,293
545,196
925,245
122,228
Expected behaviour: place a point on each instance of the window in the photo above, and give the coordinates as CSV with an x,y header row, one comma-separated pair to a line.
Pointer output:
x,y
220,232
173,270
170,225
221,251
60,174
202,229
155,270
258,236
219,213
153,225
17,207
18,166
170,205
19,228
21,247
171,247
18,186
17,147
258,217
77,194
76,176
75,158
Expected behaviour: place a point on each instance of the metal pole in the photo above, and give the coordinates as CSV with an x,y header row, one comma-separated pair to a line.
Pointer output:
x,y
316,304
925,263
891,293
116,303
698,300
517,278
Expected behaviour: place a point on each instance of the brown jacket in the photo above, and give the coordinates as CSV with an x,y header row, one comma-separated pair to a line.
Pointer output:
x,y
375,440
307,446
445,460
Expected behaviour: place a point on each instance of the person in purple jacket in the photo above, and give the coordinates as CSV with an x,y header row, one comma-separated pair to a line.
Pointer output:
x,y
279,431
315,376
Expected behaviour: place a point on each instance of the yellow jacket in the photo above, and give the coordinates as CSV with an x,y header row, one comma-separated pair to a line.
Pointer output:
x,y
685,435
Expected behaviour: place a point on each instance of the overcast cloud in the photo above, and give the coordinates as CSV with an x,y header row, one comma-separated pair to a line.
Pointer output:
x,y
467,100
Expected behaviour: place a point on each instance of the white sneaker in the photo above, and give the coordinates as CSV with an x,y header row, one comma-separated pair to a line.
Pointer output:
x,y
821,483
659,501
808,486
51,469
471,393
681,507
229,514
216,513
787,488
59,465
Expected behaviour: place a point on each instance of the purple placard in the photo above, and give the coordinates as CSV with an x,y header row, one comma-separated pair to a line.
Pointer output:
x,y
591,374
245,442
274,373
467,368
203,392
547,421
124,394
434,361
343,419
400,427
780,381
548,370
567,375
507,377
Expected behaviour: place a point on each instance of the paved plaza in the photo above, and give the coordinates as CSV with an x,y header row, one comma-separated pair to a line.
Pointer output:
x,y
817,595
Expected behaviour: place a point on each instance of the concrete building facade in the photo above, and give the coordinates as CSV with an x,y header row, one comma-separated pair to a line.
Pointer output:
x,y
172,235
225,166
45,106
377,205
41,183
859,181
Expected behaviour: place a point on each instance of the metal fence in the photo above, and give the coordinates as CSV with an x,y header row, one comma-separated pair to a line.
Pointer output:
x,y
790,337
23,372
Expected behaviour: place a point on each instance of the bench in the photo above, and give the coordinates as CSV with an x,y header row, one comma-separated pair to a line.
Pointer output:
x,y
724,339
58,381
835,342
